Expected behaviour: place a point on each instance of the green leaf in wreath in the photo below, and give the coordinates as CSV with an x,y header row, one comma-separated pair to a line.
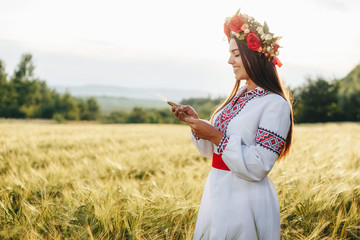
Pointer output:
x,y
266,28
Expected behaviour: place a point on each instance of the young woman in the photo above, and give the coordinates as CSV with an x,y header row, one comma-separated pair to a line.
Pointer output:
x,y
248,132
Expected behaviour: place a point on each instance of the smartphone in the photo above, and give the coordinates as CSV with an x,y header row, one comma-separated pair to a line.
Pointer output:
x,y
173,105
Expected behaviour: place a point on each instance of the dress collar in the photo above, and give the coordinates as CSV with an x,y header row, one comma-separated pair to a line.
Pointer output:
x,y
257,91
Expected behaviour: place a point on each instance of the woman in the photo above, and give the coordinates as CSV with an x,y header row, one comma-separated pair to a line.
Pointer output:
x,y
247,134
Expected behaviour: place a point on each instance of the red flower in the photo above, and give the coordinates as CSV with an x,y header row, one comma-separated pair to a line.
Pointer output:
x,y
235,23
275,46
227,29
252,41
276,61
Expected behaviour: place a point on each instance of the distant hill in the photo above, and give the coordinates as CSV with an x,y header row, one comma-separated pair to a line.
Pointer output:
x,y
350,83
110,104
115,98
132,93
349,95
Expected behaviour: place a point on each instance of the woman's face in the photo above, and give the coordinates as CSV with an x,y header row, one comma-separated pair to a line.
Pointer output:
x,y
236,62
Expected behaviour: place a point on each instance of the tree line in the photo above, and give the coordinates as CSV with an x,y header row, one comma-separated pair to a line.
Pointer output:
x,y
203,106
317,100
320,100
22,95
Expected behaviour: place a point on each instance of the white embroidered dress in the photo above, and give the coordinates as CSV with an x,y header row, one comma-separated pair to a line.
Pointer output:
x,y
242,203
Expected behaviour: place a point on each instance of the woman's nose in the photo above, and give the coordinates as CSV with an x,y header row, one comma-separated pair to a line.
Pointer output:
x,y
230,61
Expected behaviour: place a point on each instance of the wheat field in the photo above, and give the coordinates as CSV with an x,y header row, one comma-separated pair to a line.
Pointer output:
x,y
93,181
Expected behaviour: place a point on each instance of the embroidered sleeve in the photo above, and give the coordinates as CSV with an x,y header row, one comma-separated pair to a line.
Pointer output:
x,y
223,143
193,134
253,162
270,140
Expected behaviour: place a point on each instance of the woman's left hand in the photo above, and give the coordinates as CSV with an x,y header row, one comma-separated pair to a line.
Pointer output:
x,y
203,129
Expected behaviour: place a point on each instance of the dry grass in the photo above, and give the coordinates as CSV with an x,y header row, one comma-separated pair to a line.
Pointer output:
x,y
145,182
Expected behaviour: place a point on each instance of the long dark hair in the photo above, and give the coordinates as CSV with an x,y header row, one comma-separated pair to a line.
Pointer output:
x,y
264,74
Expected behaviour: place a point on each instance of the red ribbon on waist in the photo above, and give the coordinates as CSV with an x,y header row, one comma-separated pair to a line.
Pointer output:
x,y
217,162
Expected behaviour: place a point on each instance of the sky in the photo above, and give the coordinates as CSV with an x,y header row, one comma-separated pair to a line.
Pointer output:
x,y
172,44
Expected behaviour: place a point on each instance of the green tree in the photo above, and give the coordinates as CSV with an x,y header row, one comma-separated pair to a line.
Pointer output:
x,y
116,117
93,108
67,106
317,101
22,80
21,90
89,109
3,88
137,115
83,111
203,106
163,116
26,96
48,101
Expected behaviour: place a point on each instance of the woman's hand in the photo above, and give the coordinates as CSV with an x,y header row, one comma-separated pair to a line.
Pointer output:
x,y
203,129
179,109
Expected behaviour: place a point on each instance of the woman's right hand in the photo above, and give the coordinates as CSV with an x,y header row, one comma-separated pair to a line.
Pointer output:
x,y
185,108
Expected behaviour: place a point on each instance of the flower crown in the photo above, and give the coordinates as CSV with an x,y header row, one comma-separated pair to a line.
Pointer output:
x,y
257,37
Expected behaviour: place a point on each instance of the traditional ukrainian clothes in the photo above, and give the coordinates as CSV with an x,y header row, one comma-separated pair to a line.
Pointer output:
x,y
239,200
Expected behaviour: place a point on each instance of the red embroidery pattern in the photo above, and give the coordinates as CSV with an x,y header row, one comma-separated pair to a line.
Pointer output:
x,y
231,110
270,140
223,144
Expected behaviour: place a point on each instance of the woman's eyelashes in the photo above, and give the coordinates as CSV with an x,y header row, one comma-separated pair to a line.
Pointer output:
x,y
236,54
